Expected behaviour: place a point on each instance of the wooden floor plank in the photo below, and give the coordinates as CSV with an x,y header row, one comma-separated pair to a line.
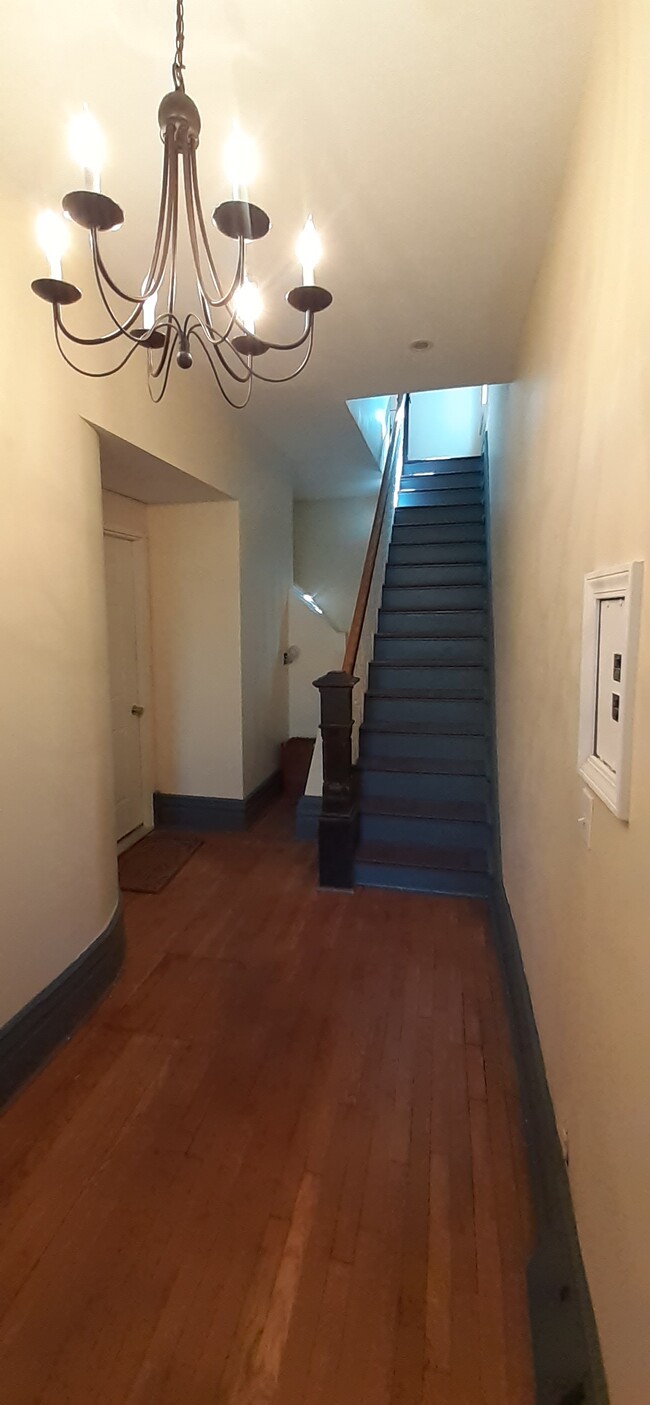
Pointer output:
x,y
282,1163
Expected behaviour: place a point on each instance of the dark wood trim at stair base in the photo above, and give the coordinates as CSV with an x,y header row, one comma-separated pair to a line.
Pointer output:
x,y
566,1350
28,1039
212,813
308,812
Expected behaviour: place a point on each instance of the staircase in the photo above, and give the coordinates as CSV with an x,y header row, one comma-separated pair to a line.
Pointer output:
x,y
424,742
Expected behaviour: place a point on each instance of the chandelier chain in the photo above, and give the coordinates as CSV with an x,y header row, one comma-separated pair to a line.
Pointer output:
x,y
178,65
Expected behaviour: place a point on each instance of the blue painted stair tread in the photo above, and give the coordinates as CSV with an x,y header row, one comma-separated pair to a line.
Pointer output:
x,y
425,785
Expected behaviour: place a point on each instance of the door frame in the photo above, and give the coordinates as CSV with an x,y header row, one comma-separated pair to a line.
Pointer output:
x,y
144,672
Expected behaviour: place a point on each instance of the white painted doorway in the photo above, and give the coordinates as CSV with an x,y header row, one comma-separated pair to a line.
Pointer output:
x,y
128,671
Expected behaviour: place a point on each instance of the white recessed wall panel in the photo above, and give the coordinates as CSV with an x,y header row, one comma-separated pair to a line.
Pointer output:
x,y
610,634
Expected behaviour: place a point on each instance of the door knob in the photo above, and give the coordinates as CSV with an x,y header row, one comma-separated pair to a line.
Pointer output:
x,y
137,710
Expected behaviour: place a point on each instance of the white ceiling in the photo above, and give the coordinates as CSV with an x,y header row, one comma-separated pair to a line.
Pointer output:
x,y
427,136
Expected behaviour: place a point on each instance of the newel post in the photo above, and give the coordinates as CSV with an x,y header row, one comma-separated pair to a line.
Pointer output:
x,y
339,824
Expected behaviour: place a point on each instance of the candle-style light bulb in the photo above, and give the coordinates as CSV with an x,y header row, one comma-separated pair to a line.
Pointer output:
x,y
148,308
52,238
87,147
240,161
309,250
248,304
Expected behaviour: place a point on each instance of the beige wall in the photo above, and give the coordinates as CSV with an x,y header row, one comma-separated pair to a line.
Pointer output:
x,y
57,859
194,569
330,539
570,460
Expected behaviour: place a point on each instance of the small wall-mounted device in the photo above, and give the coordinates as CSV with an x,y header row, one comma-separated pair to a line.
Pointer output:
x,y
610,636
291,654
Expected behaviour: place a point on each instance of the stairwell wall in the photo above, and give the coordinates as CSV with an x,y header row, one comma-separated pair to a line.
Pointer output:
x,y
570,493
330,543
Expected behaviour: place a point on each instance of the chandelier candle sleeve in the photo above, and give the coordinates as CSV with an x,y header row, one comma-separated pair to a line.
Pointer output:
x,y
248,304
222,322
148,308
52,238
309,250
240,162
87,147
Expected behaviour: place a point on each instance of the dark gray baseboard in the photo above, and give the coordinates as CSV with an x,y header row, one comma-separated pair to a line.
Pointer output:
x,y
258,800
200,812
568,1361
211,813
32,1035
307,817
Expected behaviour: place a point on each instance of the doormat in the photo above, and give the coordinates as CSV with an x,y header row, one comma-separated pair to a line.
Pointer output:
x,y
151,864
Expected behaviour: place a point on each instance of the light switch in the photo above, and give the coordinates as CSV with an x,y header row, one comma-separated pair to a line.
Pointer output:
x,y
611,638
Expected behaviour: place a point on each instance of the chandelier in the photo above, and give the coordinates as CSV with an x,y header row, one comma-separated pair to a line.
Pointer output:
x,y
224,324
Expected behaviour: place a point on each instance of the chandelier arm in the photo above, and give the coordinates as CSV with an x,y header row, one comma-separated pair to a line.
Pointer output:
x,y
157,398
156,368
156,271
98,341
216,347
93,375
239,274
214,337
173,244
169,319
217,338
123,328
215,372
195,215
171,324
194,212
279,380
293,345
157,264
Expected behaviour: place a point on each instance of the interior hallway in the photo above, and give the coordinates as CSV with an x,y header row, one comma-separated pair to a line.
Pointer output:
x,y
281,1162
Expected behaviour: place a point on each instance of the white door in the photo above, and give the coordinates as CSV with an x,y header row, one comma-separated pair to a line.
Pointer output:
x,y
124,678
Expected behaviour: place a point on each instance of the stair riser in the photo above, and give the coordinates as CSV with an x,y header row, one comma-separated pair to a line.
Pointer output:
x,y
441,650
414,744
425,481
450,624
383,678
437,554
439,534
417,516
442,575
440,497
461,465
404,785
434,597
422,880
405,829
454,712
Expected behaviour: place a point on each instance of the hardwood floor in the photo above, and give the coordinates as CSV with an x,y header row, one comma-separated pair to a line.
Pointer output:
x,y
282,1162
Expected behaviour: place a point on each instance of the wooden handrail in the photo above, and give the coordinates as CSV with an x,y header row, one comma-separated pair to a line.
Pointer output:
x,y
338,827
387,485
